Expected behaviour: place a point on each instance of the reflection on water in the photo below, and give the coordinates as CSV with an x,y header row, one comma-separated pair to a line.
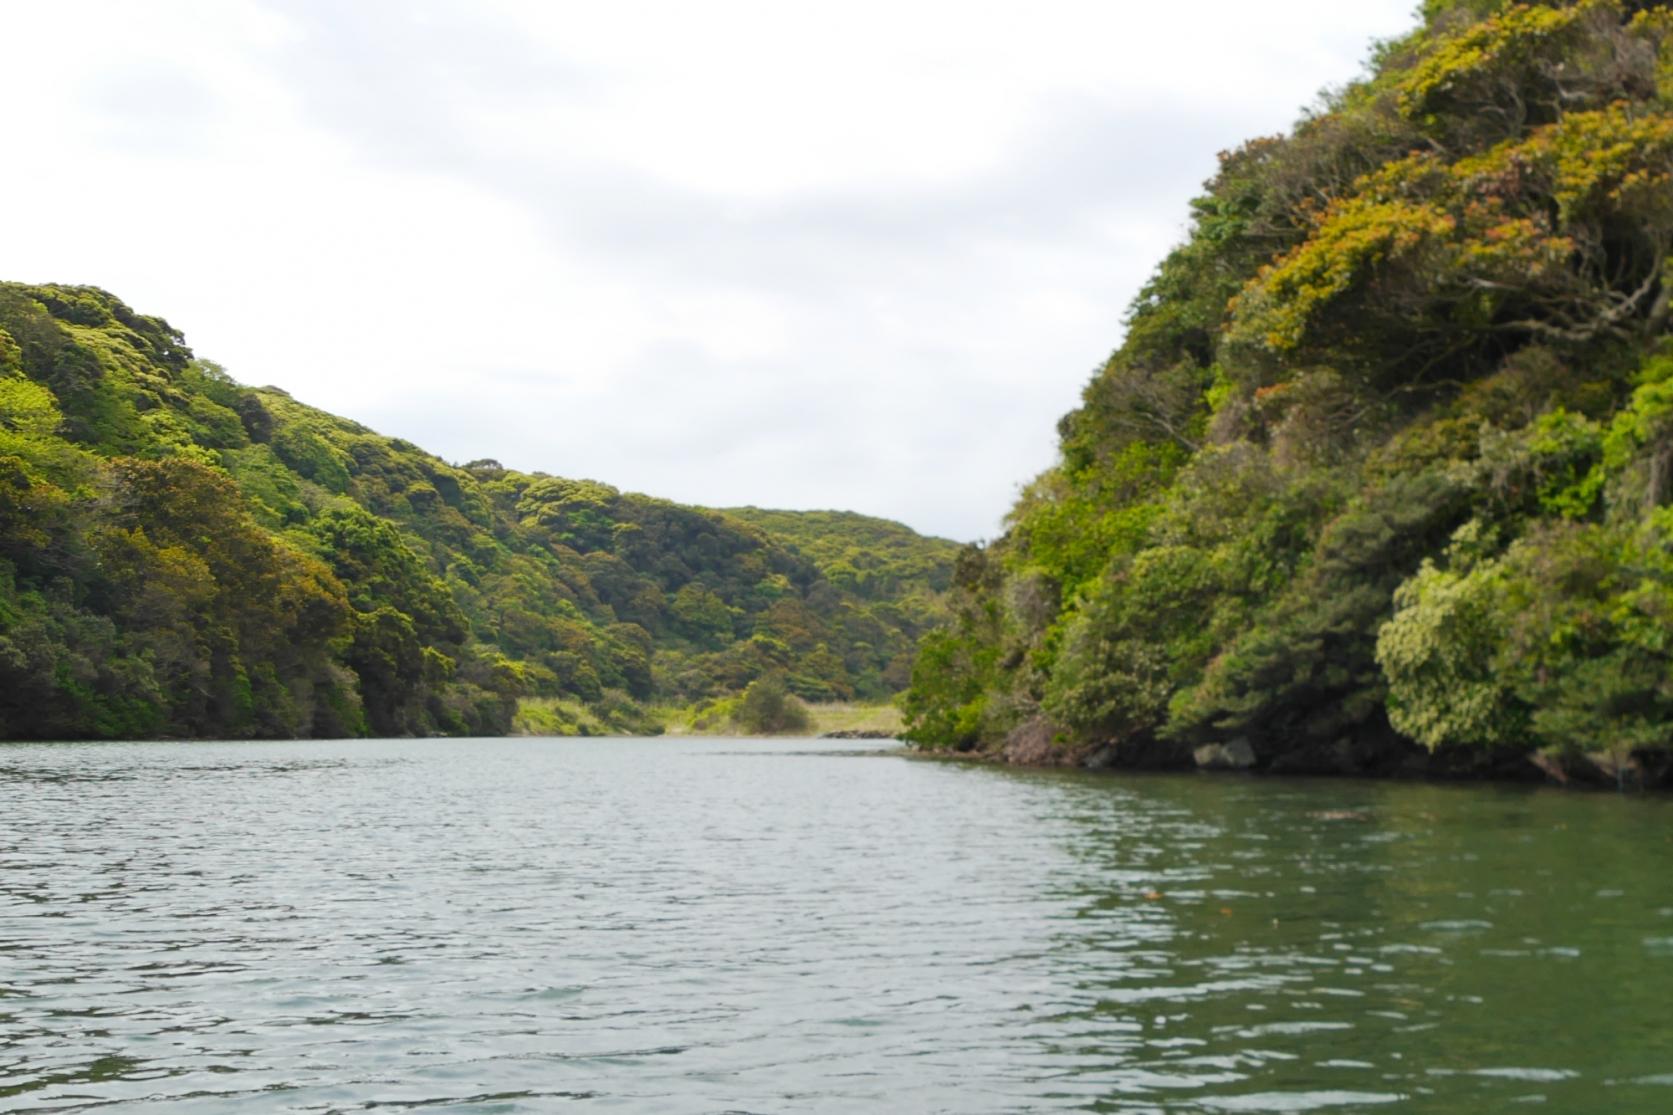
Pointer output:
x,y
707,926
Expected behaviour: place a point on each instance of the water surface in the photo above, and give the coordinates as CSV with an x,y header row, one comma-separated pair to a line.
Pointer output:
x,y
728,926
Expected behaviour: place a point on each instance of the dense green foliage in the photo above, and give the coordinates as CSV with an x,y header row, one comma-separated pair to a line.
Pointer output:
x,y
1386,455
875,559
181,555
768,707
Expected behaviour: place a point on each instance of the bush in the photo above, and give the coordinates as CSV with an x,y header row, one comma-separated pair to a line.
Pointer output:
x,y
767,707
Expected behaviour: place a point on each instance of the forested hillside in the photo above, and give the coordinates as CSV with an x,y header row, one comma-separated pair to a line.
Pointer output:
x,y
181,555
1380,475
875,559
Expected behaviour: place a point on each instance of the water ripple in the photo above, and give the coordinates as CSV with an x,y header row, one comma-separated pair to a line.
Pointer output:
x,y
679,926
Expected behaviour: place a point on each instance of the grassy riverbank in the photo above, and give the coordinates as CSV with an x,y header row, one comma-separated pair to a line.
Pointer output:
x,y
543,716
715,719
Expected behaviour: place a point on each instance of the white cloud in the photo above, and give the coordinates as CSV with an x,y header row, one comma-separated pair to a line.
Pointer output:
x,y
857,255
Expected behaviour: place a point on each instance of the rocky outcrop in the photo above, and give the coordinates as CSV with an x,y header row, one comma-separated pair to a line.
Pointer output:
x,y
1034,743
1039,742
1644,768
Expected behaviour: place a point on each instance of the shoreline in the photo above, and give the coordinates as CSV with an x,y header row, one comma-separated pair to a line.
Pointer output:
x,y
1647,771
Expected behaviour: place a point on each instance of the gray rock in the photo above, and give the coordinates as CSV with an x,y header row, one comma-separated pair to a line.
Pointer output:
x,y
1236,755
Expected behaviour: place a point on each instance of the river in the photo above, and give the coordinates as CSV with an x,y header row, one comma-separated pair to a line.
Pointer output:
x,y
708,925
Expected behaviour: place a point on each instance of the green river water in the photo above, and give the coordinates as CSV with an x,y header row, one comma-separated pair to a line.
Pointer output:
x,y
730,926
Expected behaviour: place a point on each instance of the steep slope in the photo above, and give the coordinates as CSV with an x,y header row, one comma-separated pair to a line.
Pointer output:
x,y
182,555
1383,465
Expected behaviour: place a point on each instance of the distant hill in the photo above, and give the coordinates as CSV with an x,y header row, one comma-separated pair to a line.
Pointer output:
x,y
876,559
182,555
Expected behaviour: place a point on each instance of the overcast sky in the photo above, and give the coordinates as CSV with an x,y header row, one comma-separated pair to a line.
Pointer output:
x,y
788,254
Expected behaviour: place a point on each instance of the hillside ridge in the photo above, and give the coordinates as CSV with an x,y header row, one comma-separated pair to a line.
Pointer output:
x,y
182,555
